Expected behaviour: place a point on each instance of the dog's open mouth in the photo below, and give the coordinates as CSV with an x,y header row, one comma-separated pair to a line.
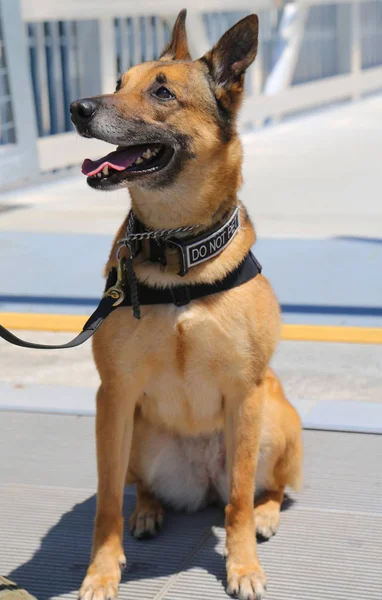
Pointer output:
x,y
126,162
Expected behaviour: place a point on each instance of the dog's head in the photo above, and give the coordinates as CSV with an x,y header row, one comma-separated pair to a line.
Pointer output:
x,y
169,115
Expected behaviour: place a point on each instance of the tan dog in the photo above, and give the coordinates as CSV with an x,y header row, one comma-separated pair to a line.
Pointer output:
x,y
188,408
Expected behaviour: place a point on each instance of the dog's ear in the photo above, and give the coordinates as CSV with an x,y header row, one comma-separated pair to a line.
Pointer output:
x,y
177,47
235,51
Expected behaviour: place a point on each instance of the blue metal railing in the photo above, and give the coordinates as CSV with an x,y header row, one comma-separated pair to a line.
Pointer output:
x,y
319,55
62,58
139,39
54,56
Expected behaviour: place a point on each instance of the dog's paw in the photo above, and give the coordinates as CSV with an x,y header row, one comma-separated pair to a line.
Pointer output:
x,y
146,524
246,582
102,584
267,519
97,587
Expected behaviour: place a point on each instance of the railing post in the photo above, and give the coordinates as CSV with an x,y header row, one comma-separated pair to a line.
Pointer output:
x,y
20,161
356,58
108,60
291,33
90,78
344,41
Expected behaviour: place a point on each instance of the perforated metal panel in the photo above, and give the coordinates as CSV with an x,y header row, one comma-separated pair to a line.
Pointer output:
x,y
329,543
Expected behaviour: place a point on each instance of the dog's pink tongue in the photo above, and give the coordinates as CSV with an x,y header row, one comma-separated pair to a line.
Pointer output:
x,y
118,160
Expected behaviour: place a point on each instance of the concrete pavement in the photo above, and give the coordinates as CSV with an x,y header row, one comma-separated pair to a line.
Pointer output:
x,y
313,188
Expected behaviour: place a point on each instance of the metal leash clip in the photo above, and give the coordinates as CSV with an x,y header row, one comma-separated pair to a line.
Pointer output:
x,y
117,291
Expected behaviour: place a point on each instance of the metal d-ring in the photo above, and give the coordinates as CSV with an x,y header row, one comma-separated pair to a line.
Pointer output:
x,y
117,291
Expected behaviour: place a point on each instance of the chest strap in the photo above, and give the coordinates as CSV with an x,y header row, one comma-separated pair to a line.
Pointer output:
x,y
181,295
178,295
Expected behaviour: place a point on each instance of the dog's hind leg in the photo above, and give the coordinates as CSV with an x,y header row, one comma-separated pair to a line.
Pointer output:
x,y
267,513
280,461
147,518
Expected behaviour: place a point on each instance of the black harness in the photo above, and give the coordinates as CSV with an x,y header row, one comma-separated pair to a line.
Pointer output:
x,y
119,290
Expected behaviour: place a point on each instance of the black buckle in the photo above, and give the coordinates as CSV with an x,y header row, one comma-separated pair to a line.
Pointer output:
x,y
158,251
180,295
182,256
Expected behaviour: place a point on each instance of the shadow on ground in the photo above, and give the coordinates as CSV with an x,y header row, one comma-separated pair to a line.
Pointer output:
x,y
59,565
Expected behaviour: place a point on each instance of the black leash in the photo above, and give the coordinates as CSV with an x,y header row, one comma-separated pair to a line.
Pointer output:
x,y
102,311
119,293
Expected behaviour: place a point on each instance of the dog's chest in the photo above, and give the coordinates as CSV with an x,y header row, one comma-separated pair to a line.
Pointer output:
x,y
186,357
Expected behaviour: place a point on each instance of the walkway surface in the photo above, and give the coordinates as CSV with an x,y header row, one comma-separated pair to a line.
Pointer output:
x,y
328,546
313,189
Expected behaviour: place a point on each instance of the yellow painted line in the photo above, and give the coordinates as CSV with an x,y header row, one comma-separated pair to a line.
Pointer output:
x,y
330,333
41,322
307,333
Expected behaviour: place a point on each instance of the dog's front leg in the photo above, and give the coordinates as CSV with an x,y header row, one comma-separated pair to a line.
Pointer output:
x,y
243,416
114,428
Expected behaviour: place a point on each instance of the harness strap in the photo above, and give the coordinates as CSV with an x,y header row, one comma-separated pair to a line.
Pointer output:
x,y
179,295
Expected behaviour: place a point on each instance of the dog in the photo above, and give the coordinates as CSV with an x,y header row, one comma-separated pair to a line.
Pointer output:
x,y
188,408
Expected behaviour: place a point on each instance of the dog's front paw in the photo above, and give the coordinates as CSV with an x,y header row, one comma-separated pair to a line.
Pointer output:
x,y
145,524
99,587
247,582
101,582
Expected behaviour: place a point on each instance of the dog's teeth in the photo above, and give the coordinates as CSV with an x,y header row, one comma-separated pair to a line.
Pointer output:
x,y
105,170
147,154
139,161
99,174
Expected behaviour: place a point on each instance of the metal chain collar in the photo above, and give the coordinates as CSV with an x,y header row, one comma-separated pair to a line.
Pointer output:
x,y
154,234
125,266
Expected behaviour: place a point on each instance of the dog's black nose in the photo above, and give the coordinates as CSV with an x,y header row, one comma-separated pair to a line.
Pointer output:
x,y
83,109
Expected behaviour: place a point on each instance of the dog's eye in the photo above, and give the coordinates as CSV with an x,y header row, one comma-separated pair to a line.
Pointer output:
x,y
164,93
119,84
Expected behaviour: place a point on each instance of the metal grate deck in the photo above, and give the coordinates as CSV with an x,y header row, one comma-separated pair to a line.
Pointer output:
x,y
329,544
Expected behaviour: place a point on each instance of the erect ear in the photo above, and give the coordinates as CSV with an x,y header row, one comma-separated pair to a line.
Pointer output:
x,y
177,47
234,52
